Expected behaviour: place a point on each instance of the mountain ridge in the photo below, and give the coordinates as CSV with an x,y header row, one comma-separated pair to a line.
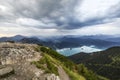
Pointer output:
x,y
68,41
105,63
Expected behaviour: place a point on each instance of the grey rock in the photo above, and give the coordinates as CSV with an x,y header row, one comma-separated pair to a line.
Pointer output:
x,y
52,77
5,70
17,57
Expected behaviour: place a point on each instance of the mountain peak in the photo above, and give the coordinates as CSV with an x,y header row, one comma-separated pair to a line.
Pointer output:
x,y
18,36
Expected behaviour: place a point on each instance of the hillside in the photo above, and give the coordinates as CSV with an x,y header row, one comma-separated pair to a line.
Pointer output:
x,y
32,62
105,63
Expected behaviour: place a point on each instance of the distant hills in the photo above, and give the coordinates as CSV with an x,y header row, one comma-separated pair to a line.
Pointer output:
x,y
105,63
65,41
14,38
80,41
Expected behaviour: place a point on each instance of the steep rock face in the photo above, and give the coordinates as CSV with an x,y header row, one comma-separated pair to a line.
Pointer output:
x,y
15,62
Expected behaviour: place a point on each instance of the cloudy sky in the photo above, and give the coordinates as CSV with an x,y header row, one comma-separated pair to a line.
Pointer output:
x,y
59,17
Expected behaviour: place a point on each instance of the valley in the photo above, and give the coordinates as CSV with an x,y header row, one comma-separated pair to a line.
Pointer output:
x,y
105,63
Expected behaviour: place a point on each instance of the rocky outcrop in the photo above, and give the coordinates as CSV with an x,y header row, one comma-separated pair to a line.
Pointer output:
x,y
52,77
47,77
11,53
6,71
16,58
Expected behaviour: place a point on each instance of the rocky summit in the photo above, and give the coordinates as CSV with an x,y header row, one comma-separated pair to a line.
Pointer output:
x,y
16,63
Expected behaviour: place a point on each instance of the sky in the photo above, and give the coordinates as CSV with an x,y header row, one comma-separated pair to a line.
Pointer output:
x,y
59,17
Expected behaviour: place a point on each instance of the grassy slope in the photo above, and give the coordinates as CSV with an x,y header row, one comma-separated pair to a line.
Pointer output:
x,y
75,72
57,60
105,63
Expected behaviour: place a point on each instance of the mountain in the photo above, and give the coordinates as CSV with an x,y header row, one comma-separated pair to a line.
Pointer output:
x,y
64,41
116,39
34,62
14,38
105,63
32,40
78,41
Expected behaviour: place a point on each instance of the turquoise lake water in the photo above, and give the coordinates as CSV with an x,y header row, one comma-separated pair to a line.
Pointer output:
x,y
71,51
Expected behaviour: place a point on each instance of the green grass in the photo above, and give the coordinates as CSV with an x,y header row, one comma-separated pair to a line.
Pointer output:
x,y
88,74
73,75
52,59
46,64
69,64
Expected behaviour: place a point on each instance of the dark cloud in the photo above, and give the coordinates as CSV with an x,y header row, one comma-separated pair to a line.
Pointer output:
x,y
61,15
114,11
57,11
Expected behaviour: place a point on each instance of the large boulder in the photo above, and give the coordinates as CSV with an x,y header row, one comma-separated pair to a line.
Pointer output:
x,y
6,71
52,77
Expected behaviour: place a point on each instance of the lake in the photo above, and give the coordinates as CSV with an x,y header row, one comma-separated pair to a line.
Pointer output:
x,y
71,51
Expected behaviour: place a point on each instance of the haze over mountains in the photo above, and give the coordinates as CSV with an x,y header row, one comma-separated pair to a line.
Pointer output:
x,y
70,42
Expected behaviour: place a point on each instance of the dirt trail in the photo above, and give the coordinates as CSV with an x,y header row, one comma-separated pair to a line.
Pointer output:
x,y
63,75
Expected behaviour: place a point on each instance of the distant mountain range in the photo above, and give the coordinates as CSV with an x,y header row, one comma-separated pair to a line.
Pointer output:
x,y
66,41
14,38
105,63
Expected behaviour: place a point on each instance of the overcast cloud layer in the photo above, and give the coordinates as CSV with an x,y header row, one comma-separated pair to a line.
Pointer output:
x,y
59,17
